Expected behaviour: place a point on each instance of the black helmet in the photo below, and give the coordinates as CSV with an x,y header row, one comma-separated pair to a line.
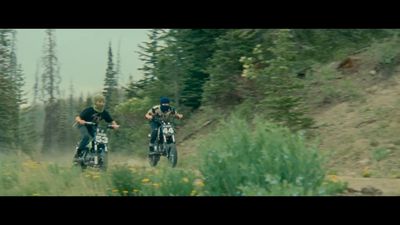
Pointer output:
x,y
164,100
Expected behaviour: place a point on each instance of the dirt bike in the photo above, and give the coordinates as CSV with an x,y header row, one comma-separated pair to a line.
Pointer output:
x,y
96,154
165,144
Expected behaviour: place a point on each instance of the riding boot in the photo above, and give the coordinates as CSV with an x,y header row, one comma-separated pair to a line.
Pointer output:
x,y
151,149
78,154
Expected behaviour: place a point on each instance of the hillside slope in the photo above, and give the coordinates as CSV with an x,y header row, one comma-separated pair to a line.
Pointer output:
x,y
357,115
360,137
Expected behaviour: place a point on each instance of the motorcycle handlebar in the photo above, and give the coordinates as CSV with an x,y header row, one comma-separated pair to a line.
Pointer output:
x,y
158,120
90,123
95,124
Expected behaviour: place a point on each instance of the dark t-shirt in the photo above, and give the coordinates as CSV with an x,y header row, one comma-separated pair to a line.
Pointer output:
x,y
90,115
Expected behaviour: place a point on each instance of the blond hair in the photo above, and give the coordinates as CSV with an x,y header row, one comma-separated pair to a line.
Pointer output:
x,y
99,98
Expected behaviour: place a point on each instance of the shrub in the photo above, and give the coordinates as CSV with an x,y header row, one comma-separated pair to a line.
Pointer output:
x,y
242,159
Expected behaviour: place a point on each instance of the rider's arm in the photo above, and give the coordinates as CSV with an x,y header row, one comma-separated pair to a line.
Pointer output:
x,y
107,117
86,113
179,116
114,124
79,120
148,115
176,114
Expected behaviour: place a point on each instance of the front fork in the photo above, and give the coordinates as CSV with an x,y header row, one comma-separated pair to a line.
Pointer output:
x,y
96,155
165,141
96,158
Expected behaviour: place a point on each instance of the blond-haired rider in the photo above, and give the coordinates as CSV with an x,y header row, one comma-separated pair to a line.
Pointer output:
x,y
95,114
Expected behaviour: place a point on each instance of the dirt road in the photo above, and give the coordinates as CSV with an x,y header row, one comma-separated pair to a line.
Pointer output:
x,y
372,186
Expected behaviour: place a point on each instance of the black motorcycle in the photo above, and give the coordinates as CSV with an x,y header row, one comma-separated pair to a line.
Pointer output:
x,y
96,154
165,144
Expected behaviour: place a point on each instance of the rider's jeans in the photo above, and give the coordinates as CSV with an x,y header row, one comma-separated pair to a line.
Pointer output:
x,y
85,136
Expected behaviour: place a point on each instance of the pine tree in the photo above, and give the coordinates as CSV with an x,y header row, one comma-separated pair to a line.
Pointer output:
x,y
321,45
81,104
8,95
110,83
29,121
135,89
51,71
282,101
71,104
225,69
64,137
36,85
28,130
6,117
196,48
18,81
169,74
148,54
118,64
89,101
73,111
50,92
118,75
5,52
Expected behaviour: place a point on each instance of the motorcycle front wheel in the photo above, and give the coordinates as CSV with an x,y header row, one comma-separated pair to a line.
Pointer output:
x,y
153,159
104,161
173,155
80,161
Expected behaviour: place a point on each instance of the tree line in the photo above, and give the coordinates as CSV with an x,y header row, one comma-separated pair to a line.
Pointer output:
x,y
254,70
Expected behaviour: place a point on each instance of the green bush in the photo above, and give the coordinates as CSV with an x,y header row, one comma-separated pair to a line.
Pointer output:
x,y
242,158
387,55
380,153
332,187
160,181
173,182
132,135
124,181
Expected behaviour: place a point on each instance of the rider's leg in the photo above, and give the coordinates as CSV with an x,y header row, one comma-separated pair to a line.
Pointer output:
x,y
153,137
85,138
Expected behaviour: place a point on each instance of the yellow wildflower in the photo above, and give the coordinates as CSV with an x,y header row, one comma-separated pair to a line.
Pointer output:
x,y
198,183
146,180
96,177
30,164
366,172
333,178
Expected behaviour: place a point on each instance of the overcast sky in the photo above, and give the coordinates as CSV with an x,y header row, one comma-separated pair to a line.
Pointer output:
x,y
82,55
